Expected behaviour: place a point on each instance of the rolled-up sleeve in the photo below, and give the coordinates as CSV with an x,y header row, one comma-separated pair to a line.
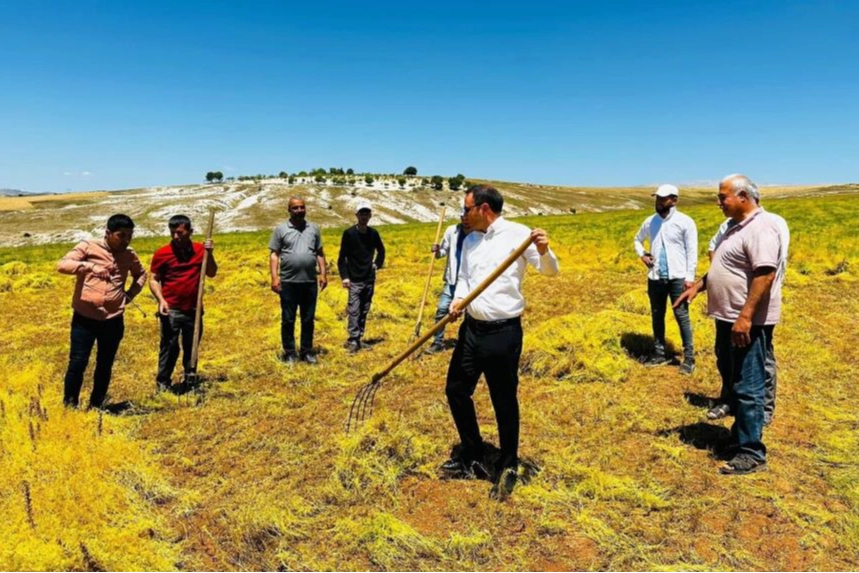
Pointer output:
x,y
640,237
138,274
74,262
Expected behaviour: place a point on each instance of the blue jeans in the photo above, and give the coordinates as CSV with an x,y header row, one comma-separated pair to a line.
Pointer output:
x,y
743,372
659,292
86,333
443,307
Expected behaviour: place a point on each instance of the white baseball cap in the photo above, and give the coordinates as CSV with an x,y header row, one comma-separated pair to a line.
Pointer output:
x,y
666,191
363,205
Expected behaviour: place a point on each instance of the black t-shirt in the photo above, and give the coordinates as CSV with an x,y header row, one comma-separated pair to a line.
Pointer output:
x,y
357,251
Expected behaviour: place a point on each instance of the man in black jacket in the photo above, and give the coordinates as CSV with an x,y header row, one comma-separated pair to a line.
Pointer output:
x,y
361,255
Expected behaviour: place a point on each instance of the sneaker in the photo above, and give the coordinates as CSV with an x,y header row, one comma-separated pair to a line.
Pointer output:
x,y
687,368
436,347
502,488
657,360
719,412
289,358
353,346
743,464
162,387
309,358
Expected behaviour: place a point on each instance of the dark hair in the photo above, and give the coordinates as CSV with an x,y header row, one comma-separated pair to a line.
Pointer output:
x,y
486,194
119,221
177,220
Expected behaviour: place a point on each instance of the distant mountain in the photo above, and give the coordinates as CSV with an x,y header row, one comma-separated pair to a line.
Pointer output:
x,y
12,192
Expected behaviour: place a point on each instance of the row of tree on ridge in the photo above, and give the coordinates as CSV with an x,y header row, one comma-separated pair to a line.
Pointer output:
x,y
339,176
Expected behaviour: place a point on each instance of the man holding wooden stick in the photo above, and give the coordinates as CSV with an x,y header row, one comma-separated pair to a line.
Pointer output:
x,y
490,338
450,247
175,279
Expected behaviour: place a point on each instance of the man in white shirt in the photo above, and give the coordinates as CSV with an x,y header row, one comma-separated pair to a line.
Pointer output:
x,y
450,247
490,338
671,263
723,408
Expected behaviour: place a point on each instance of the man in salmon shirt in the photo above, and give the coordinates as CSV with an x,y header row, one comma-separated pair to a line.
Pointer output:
x,y
176,270
101,267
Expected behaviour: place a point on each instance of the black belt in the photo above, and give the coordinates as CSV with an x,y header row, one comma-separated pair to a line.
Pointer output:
x,y
491,324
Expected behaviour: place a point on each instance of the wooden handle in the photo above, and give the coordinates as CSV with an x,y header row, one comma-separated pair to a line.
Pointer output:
x,y
198,316
478,290
429,275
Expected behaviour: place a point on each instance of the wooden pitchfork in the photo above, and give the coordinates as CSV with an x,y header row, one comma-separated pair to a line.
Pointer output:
x,y
362,405
417,332
192,379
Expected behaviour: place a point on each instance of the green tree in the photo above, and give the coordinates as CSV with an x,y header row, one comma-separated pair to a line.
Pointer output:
x,y
350,171
368,179
410,170
454,183
320,178
283,175
291,179
437,182
401,181
210,176
218,176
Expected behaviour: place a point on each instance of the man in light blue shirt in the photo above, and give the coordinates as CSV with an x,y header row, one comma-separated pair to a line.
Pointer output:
x,y
671,263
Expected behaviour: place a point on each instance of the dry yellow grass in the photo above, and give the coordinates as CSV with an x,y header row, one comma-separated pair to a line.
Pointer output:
x,y
256,472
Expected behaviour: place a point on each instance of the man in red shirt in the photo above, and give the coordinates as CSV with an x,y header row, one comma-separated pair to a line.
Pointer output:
x,y
175,280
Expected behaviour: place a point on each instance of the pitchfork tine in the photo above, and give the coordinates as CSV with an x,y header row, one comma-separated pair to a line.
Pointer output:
x,y
352,410
365,401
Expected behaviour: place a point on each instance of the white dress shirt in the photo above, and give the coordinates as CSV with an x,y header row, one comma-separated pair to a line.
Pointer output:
x,y
676,236
783,234
482,253
447,248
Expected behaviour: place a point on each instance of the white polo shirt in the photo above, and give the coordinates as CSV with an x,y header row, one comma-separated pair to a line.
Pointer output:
x,y
482,253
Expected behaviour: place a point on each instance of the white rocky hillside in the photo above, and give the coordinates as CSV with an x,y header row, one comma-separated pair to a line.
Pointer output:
x,y
255,205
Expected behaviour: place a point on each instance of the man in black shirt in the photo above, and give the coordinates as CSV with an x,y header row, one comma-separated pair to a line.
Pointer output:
x,y
361,255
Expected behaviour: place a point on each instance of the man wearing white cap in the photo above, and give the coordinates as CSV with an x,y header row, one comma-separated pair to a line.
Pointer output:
x,y
361,255
671,263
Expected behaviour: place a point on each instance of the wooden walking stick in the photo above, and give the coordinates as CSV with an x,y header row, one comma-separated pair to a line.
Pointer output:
x,y
417,332
362,405
198,316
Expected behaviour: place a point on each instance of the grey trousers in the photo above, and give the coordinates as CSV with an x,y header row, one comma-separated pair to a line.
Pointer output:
x,y
358,307
771,380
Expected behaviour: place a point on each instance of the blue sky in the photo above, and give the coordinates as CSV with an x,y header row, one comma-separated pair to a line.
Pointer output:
x,y
110,95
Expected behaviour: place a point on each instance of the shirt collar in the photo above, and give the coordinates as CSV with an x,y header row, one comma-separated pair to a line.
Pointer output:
x,y
670,214
496,226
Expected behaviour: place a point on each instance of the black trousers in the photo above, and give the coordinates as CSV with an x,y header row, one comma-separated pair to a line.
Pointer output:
x,y
85,333
295,297
492,349
177,325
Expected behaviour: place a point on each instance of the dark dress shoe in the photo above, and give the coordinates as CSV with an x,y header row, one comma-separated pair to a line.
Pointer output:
x,y
502,488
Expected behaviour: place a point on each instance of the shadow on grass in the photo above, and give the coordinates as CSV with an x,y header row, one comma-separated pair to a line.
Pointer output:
x,y
701,435
640,346
699,400
528,468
